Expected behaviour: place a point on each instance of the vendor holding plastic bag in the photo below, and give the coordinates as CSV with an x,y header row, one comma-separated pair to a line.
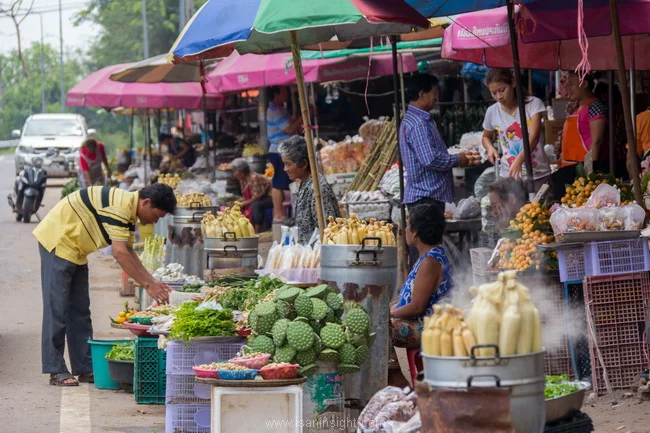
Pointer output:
x,y
296,163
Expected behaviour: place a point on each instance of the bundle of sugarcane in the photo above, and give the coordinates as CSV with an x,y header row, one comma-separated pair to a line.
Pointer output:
x,y
381,157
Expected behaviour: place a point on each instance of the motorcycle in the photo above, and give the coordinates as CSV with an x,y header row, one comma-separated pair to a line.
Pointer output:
x,y
29,189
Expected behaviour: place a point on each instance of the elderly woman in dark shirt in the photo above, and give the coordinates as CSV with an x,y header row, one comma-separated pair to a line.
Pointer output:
x,y
296,163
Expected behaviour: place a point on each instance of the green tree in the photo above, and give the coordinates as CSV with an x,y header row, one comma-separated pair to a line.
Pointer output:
x,y
22,96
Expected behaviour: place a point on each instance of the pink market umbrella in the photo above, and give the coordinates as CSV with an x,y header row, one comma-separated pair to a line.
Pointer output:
x,y
550,39
239,72
98,90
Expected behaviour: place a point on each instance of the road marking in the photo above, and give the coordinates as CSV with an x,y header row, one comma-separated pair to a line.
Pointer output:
x,y
1,158
75,410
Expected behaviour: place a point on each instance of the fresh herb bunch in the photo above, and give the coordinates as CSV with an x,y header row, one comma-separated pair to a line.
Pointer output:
x,y
245,293
190,322
122,352
558,386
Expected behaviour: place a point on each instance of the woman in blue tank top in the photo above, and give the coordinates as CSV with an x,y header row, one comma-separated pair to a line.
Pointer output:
x,y
431,276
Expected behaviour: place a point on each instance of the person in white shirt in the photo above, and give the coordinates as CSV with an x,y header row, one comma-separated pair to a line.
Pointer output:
x,y
503,119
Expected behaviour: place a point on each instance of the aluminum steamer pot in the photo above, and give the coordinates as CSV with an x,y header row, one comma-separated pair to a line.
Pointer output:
x,y
366,274
230,239
523,375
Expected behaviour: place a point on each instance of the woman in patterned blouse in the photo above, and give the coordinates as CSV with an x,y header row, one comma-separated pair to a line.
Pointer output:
x,y
296,164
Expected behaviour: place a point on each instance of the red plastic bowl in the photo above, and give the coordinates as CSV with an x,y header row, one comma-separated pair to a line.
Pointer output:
x,y
252,363
138,330
275,373
206,374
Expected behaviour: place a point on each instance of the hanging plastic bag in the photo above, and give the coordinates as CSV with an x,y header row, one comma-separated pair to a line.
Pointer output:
x,y
634,216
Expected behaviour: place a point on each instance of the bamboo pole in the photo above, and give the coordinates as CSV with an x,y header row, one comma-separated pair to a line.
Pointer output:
x,y
304,108
402,248
632,158
522,101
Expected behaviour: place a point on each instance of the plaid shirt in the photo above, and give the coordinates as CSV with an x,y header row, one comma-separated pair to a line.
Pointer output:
x,y
259,185
426,160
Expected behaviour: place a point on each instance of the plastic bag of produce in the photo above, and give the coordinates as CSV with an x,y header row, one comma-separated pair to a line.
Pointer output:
x,y
367,419
575,220
634,215
604,195
468,208
411,426
611,218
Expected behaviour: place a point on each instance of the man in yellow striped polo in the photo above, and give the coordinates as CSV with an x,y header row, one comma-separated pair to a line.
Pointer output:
x,y
82,223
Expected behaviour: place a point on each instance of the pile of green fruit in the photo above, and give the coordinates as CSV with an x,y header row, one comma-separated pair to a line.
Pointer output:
x,y
303,326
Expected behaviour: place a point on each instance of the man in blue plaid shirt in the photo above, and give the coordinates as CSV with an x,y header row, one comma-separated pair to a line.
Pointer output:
x,y
426,160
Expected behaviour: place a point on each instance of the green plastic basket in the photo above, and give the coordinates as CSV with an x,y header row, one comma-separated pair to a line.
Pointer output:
x,y
98,351
142,320
149,381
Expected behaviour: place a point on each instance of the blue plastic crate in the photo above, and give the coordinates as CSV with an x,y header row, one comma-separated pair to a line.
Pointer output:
x,y
149,375
617,257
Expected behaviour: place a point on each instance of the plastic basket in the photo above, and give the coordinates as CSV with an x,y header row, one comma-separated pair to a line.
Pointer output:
x,y
188,418
365,211
480,258
616,299
617,257
558,366
182,357
571,263
619,377
149,377
184,389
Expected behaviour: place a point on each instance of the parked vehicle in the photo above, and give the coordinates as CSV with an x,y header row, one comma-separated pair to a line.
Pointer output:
x,y
29,189
55,138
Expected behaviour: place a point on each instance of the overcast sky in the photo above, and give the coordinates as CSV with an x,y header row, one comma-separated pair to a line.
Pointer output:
x,y
73,37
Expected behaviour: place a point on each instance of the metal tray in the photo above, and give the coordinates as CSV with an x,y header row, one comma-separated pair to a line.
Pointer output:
x,y
581,237
561,407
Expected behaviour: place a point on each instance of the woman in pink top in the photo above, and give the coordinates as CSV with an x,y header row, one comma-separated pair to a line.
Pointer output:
x,y
91,157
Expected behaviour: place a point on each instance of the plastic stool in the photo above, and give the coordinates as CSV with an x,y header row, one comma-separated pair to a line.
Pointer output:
x,y
415,363
269,410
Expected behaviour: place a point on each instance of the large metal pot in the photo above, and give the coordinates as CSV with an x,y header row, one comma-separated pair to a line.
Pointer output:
x,y
523,375
189,211
230,239
229,257
365,274
257,163
193,220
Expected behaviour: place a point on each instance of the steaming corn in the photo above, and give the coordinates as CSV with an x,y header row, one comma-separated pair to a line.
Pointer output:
x,y
230,221
353,231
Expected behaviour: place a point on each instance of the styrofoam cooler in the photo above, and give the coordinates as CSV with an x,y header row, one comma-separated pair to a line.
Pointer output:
x,y
182,357
268,410
188,418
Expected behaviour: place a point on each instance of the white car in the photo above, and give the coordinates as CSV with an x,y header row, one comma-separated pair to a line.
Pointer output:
x,y
56,139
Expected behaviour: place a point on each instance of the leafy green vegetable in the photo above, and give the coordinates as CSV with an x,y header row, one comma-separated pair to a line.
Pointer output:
x,y
192,288
191,322
122,352
244,293
558,386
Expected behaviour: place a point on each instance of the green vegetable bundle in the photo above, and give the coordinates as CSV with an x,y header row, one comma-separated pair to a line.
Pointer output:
x,y
558,386
247,293
122,352
190,322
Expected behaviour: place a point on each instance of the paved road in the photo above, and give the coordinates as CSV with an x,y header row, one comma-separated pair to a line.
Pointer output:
x,y
27,403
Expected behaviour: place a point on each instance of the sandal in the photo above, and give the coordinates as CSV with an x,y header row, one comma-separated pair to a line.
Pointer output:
x,y
87,378
59,379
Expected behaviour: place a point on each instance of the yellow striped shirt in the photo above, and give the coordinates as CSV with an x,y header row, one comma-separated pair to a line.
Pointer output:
x,y
88,220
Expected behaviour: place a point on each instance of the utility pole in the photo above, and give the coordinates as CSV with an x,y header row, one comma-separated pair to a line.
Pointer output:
x,y
145,30
62,83
182,19
43,102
